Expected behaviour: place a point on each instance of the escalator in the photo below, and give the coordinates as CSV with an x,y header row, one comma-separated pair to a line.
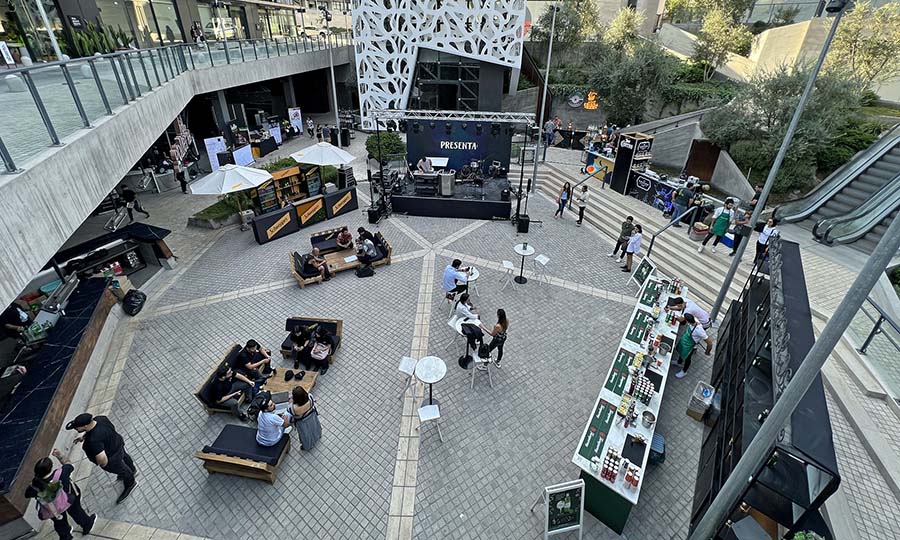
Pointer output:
x,y
843,209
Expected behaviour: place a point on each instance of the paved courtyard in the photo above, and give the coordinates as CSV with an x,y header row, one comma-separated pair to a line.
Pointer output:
x,y
373,475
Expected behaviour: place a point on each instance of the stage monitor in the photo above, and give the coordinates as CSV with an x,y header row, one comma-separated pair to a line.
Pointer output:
x,y
460,142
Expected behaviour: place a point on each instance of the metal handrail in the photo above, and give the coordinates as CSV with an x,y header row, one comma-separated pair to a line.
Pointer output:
x,y
882,317
588,177
167,63
670,224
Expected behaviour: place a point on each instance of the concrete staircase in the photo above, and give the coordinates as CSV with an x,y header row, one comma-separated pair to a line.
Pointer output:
x,y
674,253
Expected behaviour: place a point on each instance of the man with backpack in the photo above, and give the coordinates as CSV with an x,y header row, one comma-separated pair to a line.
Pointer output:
x,y
57,496
104,446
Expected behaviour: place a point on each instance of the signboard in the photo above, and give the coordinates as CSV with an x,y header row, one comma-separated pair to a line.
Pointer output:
x,y
296,118
460,142
311,210
243,155
643,271
7,56
274,225
341,202
275,132
214,145
563,508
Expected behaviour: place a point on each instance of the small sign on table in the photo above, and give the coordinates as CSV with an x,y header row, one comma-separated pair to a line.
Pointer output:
x,y
563,508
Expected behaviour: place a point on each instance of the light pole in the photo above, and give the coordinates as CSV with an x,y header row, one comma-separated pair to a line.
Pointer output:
x,y
537,148
337,122
834,6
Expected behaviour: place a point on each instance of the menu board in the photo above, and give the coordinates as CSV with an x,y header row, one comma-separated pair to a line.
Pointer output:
x,y
643,271
563,508
618,375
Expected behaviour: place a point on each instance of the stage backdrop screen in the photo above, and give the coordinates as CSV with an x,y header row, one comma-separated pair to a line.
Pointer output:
x,y
459,145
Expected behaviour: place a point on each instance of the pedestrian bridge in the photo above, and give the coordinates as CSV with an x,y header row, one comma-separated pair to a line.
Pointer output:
x,y
69,131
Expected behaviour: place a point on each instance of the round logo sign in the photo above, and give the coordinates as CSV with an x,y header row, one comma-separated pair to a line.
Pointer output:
x,y
576,100
707,392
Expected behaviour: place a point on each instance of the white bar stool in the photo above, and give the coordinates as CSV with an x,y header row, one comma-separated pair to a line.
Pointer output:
x,y
431,413
407,368
481,364
509,275
540,272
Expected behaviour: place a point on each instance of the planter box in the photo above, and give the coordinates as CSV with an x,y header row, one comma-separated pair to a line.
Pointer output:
x,y
213,223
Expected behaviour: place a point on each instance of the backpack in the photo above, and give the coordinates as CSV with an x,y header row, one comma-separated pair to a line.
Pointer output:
x,y
365,271
53,500
257,403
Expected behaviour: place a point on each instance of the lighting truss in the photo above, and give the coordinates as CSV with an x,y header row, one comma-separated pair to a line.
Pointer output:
x,y
468,116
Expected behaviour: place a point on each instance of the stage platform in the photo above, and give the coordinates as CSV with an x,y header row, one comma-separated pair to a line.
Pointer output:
x,y
468,201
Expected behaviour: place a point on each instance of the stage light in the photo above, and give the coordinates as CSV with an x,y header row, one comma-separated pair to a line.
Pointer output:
x,y
449,128
495,129
432,125
465,125
417,127
478,129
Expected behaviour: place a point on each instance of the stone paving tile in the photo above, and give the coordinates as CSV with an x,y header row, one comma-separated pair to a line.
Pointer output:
x,y
576,253
502,445
433,229
339,490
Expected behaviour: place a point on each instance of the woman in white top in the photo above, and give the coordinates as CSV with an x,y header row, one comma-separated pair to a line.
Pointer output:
x,y
762,243
465,310
633,247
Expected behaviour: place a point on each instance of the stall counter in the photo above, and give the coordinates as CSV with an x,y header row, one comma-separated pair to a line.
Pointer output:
x,y
611,501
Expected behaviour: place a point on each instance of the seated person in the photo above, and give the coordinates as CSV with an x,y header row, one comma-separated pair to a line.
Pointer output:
x,y
300,336
345,239
364,234
270,427
366,251
315,264
15,320
465,310
226,389
317,350
455,279
251,358
424,165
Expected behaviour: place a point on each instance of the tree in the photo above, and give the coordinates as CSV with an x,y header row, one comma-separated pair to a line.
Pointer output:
x,y
867,44
719,36
622,32
576,22
687,9
390,143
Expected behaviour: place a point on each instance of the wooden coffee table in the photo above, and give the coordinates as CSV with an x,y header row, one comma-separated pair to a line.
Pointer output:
x,y
336,262
277,384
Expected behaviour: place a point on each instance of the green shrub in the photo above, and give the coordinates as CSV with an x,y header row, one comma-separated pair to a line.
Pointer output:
x,y
832,157
868,98
225,207
751,155
329,174
390,144
689,72
281,164
795,175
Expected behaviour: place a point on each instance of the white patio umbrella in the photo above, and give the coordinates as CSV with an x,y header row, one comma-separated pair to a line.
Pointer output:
x,y
323,153
229,179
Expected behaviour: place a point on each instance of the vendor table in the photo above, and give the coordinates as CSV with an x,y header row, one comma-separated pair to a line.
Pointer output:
x,y
429,370
264,147
525,251
608,500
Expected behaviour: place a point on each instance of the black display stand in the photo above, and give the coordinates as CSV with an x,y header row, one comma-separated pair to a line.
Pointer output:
x,y
632,154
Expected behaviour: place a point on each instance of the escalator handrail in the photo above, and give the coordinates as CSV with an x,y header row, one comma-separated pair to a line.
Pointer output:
x,y
802,208
855,224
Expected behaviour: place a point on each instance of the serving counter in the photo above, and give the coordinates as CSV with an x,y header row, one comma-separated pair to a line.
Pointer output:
x,y
609,453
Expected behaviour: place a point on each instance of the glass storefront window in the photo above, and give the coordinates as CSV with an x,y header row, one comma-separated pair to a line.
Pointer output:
x,y
117,15
31,32
229,22
167,22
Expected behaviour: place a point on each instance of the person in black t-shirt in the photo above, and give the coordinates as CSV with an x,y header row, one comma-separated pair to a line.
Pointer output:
x,y
104,446
254,362
132,203
226,390
44,478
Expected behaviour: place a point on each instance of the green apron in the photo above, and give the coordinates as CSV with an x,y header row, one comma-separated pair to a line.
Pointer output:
x,y
686,343
720,226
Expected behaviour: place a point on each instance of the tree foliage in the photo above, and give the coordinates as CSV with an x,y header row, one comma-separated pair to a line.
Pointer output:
x,y
391,143
682,10
576,22
867,44
622,30
718,37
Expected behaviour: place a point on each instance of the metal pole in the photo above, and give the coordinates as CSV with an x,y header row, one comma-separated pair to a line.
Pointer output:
x,y
7,159
773,172
337,120
540,122
39,103
78,106
757,453
46,21
875,331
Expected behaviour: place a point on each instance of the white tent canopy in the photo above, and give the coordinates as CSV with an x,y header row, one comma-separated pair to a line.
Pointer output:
x,y
323,153
229,179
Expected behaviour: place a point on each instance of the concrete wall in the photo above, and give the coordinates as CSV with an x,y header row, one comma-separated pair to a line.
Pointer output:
x,y
728,178
671,146
42,206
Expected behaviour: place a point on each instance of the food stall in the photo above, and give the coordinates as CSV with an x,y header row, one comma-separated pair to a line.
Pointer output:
x,y
287,186
615,446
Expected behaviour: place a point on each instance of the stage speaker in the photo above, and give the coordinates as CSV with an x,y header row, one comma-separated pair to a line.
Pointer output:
x,y
521,225
373,215
504,195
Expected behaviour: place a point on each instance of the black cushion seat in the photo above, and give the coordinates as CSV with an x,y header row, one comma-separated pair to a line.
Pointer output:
x,y
240,441
302,268
204,395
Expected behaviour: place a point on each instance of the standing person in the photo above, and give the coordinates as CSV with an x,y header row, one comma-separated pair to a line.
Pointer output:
x,y
180,176
681,201
132,203
689,306
106,448
549,132
762,243
498,335
319,132
562,199
740,222
693,335
757,192
305,417
582,201
58,497
311,128
624,235
326,133
723,217
633,247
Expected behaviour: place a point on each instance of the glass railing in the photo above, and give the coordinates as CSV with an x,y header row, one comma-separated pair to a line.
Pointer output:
x,y
45,103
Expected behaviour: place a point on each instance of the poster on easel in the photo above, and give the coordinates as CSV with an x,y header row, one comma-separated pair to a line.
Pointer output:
x,y
214,145
296,119
563,508
7,55
643,272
